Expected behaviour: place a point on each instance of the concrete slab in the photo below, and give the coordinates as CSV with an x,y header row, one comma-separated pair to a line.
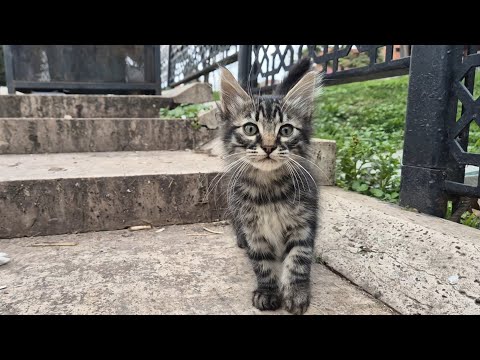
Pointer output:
x,y
105,164
146,272
50,194
58,135
193,93
416,263
105,106
47,194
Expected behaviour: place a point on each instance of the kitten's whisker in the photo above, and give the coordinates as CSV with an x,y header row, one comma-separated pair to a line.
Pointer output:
x,y
241,172
231,178
226,171
306,180
292,175
223,157
308,173
318,167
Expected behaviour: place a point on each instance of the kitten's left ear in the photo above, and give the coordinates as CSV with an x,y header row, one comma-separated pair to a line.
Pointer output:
x,y
232,94
302,96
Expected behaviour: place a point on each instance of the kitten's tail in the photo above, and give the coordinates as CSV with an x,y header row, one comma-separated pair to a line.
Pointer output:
x,y
294,75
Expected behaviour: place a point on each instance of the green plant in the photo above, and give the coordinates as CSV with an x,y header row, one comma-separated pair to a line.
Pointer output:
x,y
366,120
470,219
189,111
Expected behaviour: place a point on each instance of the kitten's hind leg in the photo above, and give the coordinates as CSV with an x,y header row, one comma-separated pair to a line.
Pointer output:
x,y
267,295
296,273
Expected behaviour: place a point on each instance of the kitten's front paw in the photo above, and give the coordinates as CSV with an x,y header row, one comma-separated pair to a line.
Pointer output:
x,y
296,301
266,300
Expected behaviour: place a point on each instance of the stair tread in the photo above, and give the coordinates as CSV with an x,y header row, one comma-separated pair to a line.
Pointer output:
x,y
150,272
105,164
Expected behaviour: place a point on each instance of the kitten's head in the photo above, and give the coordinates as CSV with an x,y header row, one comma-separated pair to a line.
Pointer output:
x,y
267,130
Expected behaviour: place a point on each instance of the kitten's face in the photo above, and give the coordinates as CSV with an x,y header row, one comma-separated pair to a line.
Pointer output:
x,y
267,131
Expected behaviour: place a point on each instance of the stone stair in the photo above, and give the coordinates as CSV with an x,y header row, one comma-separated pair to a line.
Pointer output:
x,y
83,163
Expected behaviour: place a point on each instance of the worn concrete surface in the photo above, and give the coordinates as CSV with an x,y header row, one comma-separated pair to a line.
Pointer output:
x,y
146,272
41,135
95,106
193,93
104,164
47,194
324,155
50,194
418,264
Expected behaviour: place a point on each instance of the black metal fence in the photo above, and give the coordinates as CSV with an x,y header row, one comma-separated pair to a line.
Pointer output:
x,y
441,99
441,86
83,68
440,109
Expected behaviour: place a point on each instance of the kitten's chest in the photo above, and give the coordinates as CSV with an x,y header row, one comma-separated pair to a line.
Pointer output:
x,y
271,221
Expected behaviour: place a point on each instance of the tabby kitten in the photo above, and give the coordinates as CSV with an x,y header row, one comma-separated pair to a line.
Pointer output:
x,y
272,198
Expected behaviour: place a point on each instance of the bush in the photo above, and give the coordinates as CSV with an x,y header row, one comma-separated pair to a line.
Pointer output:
x,y
367,121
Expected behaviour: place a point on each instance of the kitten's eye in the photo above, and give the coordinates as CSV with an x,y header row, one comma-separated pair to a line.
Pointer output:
x,y
250,129
286,130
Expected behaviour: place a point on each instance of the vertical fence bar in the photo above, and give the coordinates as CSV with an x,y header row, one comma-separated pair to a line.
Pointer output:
x,y
169,65
431,106
8,59
244,64
157,69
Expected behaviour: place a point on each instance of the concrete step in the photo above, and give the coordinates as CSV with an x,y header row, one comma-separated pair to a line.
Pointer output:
x,y
47,194
58,135
99,106
150,272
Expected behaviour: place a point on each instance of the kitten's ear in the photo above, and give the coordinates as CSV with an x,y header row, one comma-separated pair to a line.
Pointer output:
x,y
302,96
232,94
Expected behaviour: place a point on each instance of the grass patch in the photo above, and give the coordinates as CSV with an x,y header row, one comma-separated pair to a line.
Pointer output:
x,y
367,121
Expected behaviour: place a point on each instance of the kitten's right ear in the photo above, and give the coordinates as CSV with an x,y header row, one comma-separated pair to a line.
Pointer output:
x,y
232,94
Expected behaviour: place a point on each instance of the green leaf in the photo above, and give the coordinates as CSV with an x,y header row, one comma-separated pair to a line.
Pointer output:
x,y
363,187
376,192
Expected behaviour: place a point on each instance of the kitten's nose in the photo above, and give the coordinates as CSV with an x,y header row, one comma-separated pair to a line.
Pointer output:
x,y
269,149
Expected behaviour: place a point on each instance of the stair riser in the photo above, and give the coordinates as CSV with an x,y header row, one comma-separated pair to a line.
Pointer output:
x,y
95,106
61,206
81,106
35,136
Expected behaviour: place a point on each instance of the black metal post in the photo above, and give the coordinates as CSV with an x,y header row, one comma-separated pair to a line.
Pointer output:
x,y
244,64
157,69
431,106
8,59
169,65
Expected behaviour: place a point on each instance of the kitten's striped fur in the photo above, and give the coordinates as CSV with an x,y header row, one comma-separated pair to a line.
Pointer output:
x,y
272,197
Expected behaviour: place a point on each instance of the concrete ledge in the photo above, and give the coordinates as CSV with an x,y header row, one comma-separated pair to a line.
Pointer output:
x,y
100,106
194,93
417,264
145,272
60,206
41,135
68,193
323,153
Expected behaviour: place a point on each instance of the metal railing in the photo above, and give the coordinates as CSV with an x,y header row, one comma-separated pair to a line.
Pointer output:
x,y
440,107
441,80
